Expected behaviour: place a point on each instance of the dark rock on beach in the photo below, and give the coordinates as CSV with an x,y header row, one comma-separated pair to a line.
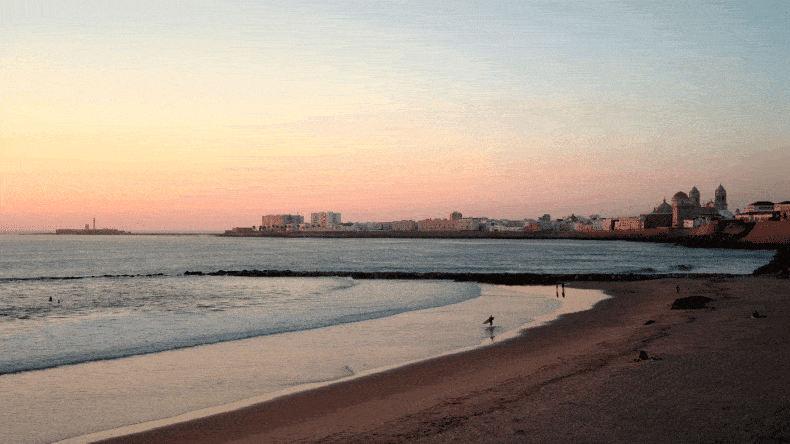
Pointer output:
x,y
778,267
690,303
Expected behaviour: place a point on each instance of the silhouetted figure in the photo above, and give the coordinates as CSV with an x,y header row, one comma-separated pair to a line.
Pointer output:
x,y
678,289
490,321
557,289
563,289
50,299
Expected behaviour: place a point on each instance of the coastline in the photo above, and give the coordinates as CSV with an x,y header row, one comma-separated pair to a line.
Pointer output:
x,y
578,378
162,388
761,235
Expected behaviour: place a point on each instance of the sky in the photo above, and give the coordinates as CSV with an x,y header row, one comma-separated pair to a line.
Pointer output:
x,y
191,115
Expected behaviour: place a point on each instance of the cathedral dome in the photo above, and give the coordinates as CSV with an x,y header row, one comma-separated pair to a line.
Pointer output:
x,y
680,197
664,208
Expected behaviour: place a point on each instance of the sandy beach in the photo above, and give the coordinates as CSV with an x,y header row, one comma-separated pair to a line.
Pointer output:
x,y
715,374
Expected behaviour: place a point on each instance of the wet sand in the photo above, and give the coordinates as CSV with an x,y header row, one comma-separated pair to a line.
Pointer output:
x,y
711,375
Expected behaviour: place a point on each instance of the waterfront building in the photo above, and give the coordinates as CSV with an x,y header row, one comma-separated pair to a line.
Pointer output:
x,y
504,225
760,210
325,219
404,225
629,224
599,224
456,222
373,226
688,207
448,225
281,222
784,210
532,226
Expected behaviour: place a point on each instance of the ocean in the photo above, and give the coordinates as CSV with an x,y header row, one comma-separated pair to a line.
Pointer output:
x,y
127,338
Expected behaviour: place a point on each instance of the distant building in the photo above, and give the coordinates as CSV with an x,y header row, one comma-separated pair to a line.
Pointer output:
x,y
373,226
456,223
664,208
629,224
588,227
657,220
688,207
404,225
784,210
544,223
325,219
760,210
720,202
281,222
532,226
682,209
504,225
241,231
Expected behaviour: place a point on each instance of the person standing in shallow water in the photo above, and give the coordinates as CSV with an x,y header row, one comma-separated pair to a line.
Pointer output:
x,y
490,321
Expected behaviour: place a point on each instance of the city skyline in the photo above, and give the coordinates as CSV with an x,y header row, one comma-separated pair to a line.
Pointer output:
x,y
152,116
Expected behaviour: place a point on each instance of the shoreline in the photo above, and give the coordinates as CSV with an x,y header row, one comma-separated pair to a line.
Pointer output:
x,y
762,235
582,359
501,298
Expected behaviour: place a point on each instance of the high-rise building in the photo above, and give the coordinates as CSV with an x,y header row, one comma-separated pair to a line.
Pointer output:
x,y
281,221
325,219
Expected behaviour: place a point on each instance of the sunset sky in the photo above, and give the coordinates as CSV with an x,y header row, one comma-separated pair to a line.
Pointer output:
x,y
188,115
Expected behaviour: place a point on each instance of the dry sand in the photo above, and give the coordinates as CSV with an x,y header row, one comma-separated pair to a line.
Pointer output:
x,y
712,375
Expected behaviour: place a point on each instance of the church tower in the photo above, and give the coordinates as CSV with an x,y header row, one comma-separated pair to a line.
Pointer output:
x,y
694,197
721,198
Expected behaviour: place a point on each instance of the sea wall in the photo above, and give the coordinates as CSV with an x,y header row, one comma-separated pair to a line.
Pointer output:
x,y
484,278
769,232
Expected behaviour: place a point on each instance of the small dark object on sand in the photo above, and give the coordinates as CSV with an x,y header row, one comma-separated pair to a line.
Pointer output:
x,y
756,314
489,321
643,355
650,322
690,303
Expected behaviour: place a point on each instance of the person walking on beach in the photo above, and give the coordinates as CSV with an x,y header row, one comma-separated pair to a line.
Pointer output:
x,y
563,289
557,289
678,288
490,321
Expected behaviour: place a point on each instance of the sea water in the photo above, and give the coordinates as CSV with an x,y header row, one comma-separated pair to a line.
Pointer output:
x,y
127,338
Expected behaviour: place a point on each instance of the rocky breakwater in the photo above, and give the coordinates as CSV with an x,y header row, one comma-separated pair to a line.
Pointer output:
x,y
483,278
779,265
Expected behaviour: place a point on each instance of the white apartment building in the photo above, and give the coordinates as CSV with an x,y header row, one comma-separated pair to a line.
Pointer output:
x,y
325,219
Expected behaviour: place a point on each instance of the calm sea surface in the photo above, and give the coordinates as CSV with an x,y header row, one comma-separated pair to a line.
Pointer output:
x,y
127,296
